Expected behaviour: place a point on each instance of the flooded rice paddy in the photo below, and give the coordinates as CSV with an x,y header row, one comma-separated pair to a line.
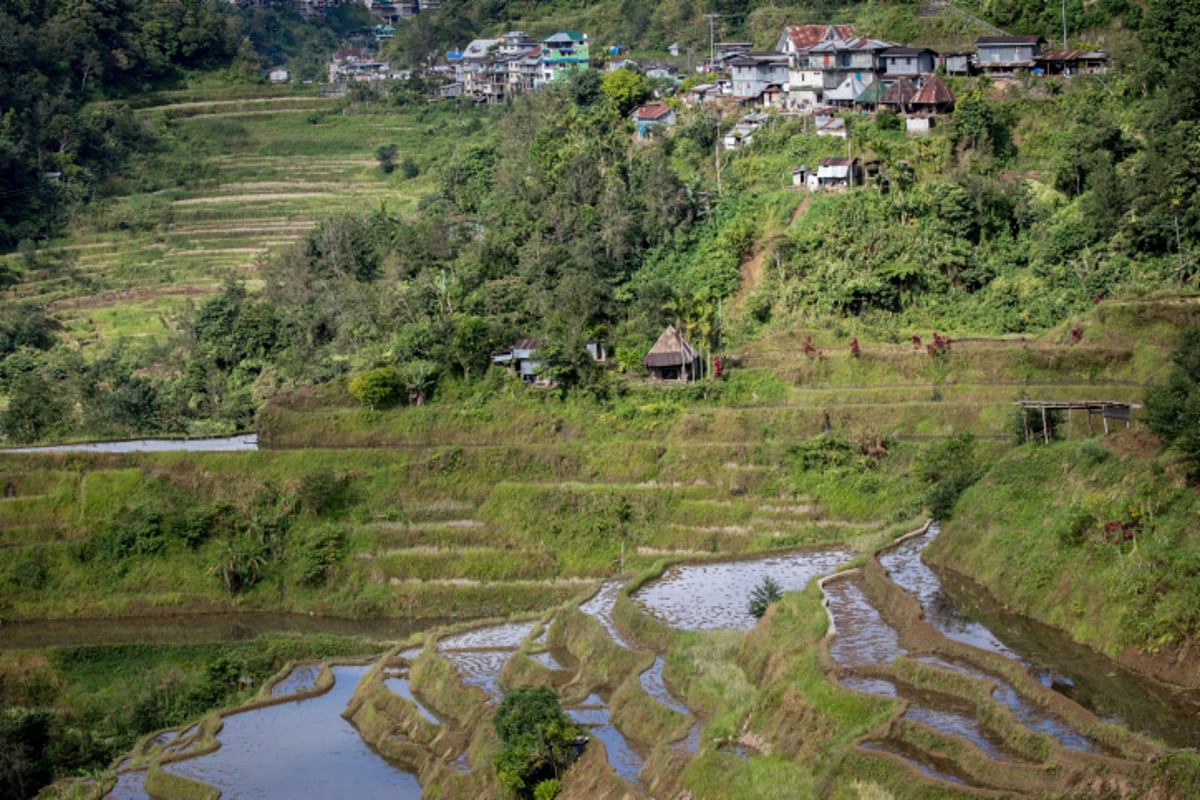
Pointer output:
x,y
862,635
305,749
221,444
716,595
301,749
593,714
398,684
962,611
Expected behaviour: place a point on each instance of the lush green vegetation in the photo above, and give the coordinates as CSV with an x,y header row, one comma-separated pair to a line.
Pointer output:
x,y
337,273
72,709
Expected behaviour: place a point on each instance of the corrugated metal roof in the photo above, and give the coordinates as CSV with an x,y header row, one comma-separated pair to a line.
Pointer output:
x,y
652,111
849,89
899,93
1002,40
803,37
933,93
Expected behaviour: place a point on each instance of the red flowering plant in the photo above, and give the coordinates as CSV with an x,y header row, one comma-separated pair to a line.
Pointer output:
x,y
1123,528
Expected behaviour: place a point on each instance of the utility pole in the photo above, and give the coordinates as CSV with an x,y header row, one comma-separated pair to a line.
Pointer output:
x,y
712,47
1064,21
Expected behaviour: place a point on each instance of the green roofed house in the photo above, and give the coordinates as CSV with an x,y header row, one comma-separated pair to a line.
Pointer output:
x,y
869,97
562,54
672,358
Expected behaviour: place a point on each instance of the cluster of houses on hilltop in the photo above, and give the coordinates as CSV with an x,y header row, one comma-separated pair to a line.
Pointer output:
x,y
827,65
491,70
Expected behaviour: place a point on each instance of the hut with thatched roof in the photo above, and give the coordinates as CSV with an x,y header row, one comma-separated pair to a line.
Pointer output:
x,y
672,358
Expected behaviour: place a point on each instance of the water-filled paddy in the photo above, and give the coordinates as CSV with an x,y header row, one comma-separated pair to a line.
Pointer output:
x,y
300,749
716,595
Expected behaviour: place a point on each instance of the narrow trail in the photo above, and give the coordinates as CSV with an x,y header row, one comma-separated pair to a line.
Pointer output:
x,y
752,267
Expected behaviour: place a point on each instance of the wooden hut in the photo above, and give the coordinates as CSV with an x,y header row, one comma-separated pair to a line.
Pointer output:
x,y
672,358
899,96
933,97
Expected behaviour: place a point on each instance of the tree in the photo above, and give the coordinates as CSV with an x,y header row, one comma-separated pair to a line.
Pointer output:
x,y
624,88
385,154
537,740
768,591
1173,406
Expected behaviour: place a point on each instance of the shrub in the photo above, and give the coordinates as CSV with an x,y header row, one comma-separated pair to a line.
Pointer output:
x,y
537,740
375,387
767,592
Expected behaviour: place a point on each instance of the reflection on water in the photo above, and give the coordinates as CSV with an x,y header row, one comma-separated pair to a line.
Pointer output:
x,y
195,629
479,668
222,444
546,659
916,759
716,596
130,786
301,749
600,606
302,678
509,635
876,686
964,611
399,684
1027,714
593,713
652,682
862,635
948,716
906,569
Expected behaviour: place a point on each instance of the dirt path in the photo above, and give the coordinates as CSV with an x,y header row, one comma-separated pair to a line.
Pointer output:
x,y
752,267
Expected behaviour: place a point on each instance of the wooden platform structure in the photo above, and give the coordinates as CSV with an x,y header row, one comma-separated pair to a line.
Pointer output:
x,y
1105,409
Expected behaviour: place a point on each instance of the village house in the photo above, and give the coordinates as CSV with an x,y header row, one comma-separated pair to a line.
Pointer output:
x,y
959,63
521,359
1071,62
836,174
653,118
899,95
907,61
1004,55
673,358
755,73
742,133
806,83
562,54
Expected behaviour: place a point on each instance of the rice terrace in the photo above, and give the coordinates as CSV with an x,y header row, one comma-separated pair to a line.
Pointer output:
x,y
599,400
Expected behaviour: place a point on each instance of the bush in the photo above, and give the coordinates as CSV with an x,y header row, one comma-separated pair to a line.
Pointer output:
x,y
767,592
537,740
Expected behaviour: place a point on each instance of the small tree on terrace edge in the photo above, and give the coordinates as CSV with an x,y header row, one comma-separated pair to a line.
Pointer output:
x,y
537,740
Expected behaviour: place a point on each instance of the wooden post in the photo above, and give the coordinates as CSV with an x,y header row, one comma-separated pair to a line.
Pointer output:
x,y
1025,420
1045,427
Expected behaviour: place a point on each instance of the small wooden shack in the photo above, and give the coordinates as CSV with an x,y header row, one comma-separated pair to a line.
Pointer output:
x,y
672,358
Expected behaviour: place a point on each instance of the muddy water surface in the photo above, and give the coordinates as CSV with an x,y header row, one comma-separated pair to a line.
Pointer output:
x,y
593,713
964,611
302,749
716,595
862,635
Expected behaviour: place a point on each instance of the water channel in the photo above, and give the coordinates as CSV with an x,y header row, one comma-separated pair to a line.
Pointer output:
x,y
218,444
963,611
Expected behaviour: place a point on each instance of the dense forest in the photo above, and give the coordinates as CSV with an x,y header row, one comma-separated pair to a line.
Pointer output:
x,y
1032,204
